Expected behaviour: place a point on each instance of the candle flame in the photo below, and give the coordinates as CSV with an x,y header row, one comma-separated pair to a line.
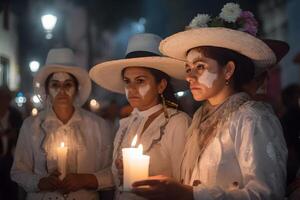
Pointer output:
x,y
140,149
133,143
62,144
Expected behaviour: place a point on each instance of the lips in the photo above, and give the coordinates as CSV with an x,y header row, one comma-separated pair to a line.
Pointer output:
x,y
133,97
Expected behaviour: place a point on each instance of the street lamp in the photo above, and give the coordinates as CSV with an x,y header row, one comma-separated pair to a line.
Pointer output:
x,y
34,66
48,22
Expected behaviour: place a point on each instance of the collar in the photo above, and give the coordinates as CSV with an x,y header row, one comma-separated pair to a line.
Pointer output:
x,y
147,113
50,116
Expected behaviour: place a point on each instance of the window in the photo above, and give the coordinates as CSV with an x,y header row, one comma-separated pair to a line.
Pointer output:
x,y
4,69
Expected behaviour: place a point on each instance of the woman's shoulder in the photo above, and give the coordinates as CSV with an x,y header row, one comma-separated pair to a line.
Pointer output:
x,y
175,114
178,117
90,117
255,109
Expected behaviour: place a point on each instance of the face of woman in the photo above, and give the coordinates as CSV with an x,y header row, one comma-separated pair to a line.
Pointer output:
x,y
62,89
205,76
141,89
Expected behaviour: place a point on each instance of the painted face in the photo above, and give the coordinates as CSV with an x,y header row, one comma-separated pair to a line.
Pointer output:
x,y
140,88
62,88
205,76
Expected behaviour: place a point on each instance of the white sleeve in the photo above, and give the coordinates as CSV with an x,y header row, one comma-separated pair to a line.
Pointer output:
x,y
22,169
176,139
262,154
104,175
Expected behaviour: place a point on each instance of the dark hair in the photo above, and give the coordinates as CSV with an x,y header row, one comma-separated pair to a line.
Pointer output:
x,y
158,75
50,76
244,67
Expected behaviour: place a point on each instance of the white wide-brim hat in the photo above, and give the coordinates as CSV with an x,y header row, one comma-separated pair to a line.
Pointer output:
x,y
62,60
178,45
142,51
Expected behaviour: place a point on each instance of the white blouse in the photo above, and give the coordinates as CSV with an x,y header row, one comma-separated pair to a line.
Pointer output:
x,y
246,160
163,141
30,162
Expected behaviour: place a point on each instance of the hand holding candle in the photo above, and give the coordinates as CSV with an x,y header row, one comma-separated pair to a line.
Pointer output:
x,y
62,151
136,165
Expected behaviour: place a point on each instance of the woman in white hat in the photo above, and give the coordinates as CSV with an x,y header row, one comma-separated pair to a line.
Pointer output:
x,y
144,77
64,152
235,148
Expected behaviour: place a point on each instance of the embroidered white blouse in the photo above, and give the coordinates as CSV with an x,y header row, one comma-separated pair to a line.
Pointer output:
x,y
246,160
163,141
94,157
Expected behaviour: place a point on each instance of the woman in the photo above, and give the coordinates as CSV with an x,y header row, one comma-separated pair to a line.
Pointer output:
x,y
85,137
235,148
144,77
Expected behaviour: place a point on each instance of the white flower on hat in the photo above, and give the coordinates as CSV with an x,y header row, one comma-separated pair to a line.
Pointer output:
x,y
200,20
230,12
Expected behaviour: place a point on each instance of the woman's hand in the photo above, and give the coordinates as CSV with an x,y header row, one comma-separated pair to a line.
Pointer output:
x,y
50,183
162,188
119,166
75,182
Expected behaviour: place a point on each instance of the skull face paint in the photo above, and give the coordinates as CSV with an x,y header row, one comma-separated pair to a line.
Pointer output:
x,y
142,90
207,78
61,82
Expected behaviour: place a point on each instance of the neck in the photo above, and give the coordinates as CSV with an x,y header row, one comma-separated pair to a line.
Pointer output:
x,y
63,113
221,96
150,105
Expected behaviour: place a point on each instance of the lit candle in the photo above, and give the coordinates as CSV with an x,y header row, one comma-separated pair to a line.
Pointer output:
x,y
62,159
135,164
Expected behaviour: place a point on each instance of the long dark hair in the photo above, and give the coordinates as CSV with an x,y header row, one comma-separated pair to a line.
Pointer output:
x,y
244,67
168,93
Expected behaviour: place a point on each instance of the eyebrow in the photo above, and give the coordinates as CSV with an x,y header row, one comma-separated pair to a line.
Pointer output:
x,y
60,81
141,76
197,59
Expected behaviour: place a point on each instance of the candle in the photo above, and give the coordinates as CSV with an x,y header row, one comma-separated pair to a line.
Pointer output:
x,y
62,159
135,164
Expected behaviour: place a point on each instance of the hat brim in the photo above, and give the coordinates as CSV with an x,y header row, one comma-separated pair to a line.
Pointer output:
x,y
280,48
84,87
179,44
108,74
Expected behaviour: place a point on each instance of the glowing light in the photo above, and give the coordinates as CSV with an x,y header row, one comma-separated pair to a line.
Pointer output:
x,y
35,99
48,22
34,111
94,105
180,93
34,66
133,143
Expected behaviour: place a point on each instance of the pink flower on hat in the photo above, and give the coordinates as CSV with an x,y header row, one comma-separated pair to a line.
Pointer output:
x,y
248,22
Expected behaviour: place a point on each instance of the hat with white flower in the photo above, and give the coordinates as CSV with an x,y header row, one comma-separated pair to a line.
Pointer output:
x,y
233,29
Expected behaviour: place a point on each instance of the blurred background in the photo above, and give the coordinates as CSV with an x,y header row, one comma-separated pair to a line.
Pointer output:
x,y
98,30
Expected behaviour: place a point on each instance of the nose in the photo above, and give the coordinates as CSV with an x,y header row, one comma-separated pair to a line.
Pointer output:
x,y
130,86
191,77
62,90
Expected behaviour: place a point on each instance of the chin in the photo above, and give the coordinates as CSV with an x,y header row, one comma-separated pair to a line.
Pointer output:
x,y
134,104
198,96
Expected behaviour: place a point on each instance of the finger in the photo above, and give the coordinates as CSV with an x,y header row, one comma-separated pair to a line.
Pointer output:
x,y
150,190
153,196
55,173
150,182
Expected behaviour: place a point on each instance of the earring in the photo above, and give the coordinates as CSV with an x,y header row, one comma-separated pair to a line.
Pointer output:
x,y
226,82
163,100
